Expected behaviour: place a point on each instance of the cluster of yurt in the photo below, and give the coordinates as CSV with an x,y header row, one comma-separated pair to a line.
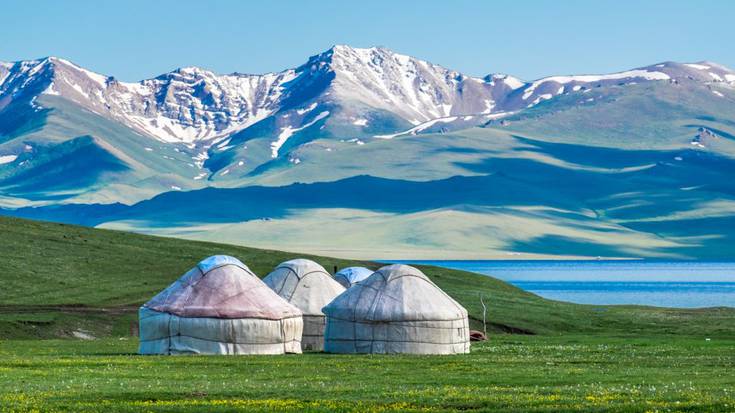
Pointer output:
x,y
221,307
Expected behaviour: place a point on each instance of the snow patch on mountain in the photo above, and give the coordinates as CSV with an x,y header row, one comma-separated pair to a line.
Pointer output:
x,y
631,74
513,83
7,159
419,128
4,71
200,158
697,66
307,109
288,131
545,96
450,119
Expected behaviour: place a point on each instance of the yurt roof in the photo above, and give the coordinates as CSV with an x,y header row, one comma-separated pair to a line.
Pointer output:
x,y
305,284
395,293
222,287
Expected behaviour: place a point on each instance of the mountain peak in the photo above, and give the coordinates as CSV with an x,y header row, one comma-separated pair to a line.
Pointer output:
x,y
193,70
56,59
338,48
510,81
342,52
344,48
192,104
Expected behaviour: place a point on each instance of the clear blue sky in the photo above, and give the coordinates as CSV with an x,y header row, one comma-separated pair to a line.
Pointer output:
x,y
140,39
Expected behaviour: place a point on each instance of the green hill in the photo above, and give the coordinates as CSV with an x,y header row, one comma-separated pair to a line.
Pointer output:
x,y
619,170
59,280
72,153
477,193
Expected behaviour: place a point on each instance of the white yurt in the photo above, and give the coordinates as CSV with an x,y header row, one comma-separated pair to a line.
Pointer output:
x,y
309,287
352,275
396,310
219,307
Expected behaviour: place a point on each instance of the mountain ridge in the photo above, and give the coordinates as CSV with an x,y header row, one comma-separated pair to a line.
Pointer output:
x,y
229,103
633,163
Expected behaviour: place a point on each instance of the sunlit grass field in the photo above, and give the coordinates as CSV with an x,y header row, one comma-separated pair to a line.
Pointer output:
x,y
62,282
507,374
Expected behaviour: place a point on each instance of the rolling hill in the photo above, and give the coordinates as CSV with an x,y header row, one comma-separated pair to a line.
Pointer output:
x,y
510,195
370,153
63,279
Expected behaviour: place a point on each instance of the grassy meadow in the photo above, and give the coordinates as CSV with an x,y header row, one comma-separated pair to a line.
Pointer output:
x,y
507,374
67,344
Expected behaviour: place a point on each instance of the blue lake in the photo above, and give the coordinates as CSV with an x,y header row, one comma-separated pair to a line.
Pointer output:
x,y
667,284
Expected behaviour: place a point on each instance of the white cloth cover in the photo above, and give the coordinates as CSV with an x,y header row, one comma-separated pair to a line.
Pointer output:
x,y
219,307
309,287
352,275
396,310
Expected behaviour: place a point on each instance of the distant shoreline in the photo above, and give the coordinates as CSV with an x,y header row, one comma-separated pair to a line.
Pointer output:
x,y
423,255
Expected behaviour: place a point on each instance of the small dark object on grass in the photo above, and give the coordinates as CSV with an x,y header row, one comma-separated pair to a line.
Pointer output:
x,y
477,335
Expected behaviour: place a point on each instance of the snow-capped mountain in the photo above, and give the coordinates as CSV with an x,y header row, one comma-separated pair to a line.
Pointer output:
x,y
413,89
192,105
191,124
186,105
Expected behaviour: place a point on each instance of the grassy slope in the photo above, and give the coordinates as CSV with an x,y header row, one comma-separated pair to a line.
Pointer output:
x,y
644,116
451,233
612,177
518,194
146,172
60,278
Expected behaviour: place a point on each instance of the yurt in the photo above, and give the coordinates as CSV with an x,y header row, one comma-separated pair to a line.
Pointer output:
x,y
219,307
396,310
352,275
309,287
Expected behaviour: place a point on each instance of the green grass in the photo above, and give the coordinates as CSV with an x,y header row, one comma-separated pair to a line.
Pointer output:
x,y
507,374
63,281
58,278
644,116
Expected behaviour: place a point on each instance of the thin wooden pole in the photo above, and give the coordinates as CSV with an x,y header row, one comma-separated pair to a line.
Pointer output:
x,y
484,311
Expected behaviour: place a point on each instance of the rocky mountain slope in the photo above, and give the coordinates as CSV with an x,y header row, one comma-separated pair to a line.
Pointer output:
x,y
230,127
73,141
